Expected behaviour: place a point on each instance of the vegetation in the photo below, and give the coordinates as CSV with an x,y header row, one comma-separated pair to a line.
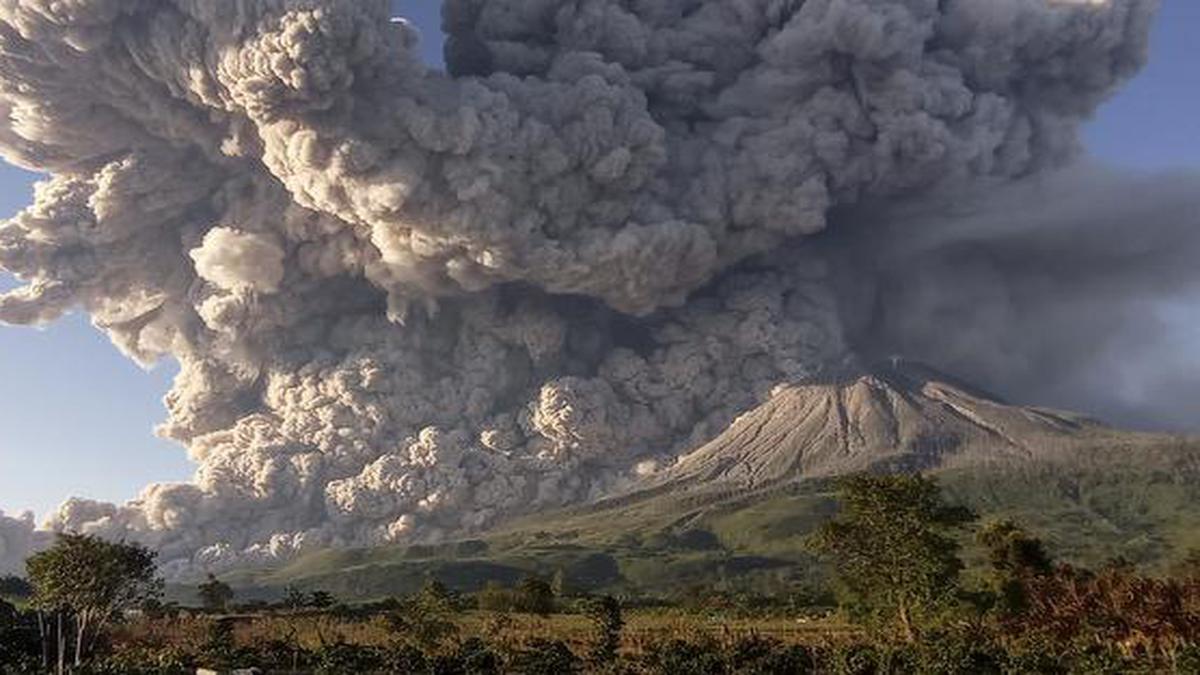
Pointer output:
x,y
892,551
215,595
919,586
83,583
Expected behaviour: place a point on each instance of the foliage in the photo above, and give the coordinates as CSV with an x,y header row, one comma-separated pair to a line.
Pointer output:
x,y
321,600
681,656
1015,557
533,595
608,621
15,589
294,598
891,546
340,658
1114,607
546,657
18,638
435,598
215,595
760,656
91,582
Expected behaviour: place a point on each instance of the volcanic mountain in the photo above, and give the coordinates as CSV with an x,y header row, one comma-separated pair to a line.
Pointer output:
x,y
894,416
744,502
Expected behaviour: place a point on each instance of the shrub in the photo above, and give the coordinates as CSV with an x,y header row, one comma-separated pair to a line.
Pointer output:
x,y
473,657
853,660
608,620
680,656
404,659
340,658
759,656
535,596
545,657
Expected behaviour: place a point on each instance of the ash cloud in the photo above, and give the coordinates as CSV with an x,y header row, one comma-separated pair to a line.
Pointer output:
x,y
408,302
1055,291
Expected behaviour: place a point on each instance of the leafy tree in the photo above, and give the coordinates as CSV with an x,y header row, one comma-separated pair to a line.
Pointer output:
x,y
18,641
535,596
1015,556
15,588
321,600
606,616
294,598
215,594
894,558
496,598
87,582
435,598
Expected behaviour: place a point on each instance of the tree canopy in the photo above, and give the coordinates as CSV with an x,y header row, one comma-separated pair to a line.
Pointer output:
x,y
215,594
91,581
894,558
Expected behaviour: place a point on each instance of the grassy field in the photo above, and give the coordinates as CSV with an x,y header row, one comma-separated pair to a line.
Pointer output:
x,y
643,629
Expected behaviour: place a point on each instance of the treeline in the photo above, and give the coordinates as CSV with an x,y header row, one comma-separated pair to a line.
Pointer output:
x,y
905,602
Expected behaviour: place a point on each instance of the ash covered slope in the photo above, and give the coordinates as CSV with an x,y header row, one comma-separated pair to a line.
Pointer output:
x,y
894,416
738,509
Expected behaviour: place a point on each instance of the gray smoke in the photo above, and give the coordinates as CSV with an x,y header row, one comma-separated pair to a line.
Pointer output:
x,y
409,302
1053,291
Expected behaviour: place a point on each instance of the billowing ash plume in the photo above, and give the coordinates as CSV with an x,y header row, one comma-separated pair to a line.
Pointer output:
x,y
17,537
408,302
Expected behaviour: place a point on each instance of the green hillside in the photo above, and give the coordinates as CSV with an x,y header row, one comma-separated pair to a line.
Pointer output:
x,y
1140,503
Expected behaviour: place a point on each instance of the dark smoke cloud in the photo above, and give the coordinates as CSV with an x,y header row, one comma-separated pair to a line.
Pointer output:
x,y
1057,290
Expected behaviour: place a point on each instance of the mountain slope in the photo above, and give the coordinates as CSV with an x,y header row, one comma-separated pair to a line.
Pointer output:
x,y
740,506
898,416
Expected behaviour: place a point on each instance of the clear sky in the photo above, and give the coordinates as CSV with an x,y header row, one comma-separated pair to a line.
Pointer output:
x,y
76,418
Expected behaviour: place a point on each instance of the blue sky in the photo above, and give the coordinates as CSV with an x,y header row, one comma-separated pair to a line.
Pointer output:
x,y
76,418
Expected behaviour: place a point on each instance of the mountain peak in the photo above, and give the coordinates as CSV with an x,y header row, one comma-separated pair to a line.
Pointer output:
x,y
894,415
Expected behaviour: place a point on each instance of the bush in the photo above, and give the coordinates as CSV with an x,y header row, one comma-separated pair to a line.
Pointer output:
x,y
535,596
340,658
142,662
19,642
546,657
404,659
758,656
953,654
679,656
854,660
473,657
605,615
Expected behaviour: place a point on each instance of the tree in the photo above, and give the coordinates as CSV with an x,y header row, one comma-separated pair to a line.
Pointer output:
x,y
608,620
1015,557
294,598
215,594
15,588
534,596
435,598
894,559
321,600
86,582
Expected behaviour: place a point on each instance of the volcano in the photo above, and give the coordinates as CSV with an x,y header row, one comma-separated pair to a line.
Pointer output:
x,y
747,499
895,416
